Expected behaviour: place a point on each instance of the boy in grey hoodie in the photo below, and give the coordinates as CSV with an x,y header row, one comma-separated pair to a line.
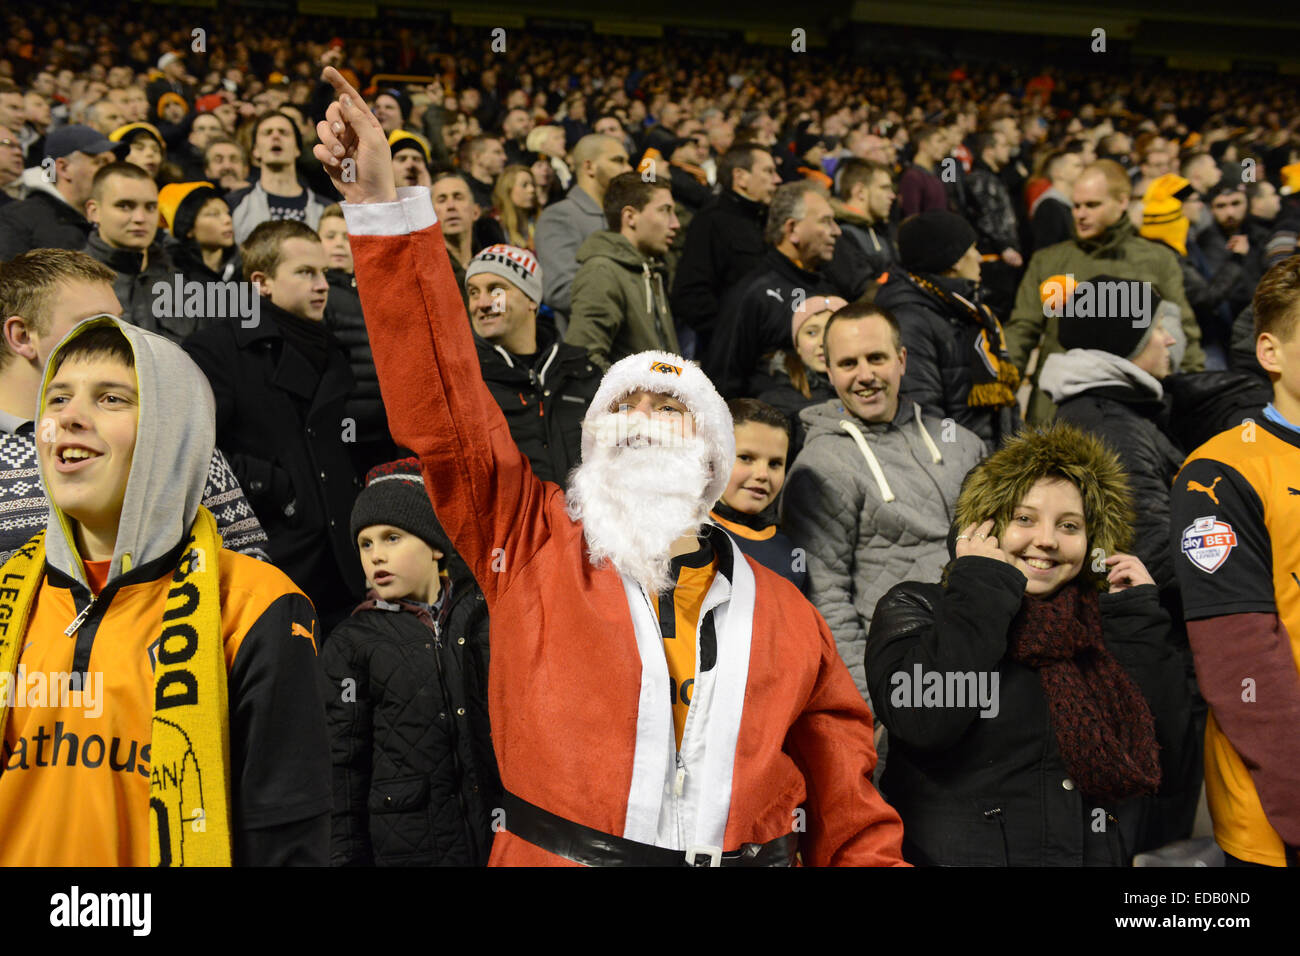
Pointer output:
x,y
188,728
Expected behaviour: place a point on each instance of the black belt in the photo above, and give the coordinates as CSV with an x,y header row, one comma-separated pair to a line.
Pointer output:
x,y
582,844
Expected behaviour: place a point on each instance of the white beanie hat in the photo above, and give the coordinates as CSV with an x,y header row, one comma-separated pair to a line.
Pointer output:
x,y
684,380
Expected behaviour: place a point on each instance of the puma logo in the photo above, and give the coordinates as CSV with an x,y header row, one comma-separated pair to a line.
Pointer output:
x,y
1197,486
776,295
1292,491
297,630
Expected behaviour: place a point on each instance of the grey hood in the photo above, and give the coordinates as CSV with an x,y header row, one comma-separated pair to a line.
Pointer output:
x,y
175,439
825,417
832,418
1066,374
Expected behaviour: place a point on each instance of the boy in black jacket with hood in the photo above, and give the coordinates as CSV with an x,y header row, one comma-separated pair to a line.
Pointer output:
x,y
405,687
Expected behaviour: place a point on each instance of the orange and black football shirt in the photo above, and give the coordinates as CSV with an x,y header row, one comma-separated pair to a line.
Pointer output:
x,y
1236,536
75,772
678,611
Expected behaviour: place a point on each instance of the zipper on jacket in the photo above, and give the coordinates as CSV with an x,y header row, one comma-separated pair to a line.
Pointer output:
x,y
80,619
679,788
454,730
458,768
996,814
94,610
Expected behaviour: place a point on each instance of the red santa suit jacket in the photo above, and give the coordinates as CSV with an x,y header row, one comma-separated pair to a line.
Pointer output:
x,y
578,693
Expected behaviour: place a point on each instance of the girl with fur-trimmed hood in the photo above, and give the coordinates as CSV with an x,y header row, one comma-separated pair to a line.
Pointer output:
x,y
1031,697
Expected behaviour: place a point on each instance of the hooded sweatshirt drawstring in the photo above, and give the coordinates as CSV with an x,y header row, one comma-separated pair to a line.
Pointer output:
x,y
925,437
873,464
886,493
655,309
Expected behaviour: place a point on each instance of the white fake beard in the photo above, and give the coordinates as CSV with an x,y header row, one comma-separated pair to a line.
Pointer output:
x,y
643,488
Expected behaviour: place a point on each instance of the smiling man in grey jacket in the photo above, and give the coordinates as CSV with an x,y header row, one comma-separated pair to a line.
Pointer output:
x,y
870,498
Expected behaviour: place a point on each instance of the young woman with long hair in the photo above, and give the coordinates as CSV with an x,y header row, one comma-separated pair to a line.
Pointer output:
x,y
515,203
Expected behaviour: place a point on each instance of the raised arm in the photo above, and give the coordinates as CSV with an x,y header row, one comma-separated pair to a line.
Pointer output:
x,y
482,489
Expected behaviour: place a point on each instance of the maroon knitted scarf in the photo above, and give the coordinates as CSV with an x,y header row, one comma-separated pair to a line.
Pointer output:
x,y
1103,725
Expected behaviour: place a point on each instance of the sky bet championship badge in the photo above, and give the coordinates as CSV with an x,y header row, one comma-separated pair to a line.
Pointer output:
x,y
1207,543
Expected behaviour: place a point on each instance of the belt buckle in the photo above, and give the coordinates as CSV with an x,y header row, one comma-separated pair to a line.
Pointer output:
x,y
714,853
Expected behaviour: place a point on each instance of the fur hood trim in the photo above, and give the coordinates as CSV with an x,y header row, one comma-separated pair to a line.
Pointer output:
x,y
995,486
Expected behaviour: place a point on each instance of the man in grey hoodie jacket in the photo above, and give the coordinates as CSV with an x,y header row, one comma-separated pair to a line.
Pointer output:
x,y
871,496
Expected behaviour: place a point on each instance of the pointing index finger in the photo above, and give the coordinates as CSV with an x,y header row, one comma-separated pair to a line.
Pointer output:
x,y
335,79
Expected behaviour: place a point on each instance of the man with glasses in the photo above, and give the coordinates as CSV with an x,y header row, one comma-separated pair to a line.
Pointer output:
x,y
11,166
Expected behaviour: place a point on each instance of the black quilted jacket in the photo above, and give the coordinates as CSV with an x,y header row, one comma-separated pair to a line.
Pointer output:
x,y
415,779
544,402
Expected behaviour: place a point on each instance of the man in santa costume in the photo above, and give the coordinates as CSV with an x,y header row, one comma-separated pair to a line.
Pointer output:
x,y
656,698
